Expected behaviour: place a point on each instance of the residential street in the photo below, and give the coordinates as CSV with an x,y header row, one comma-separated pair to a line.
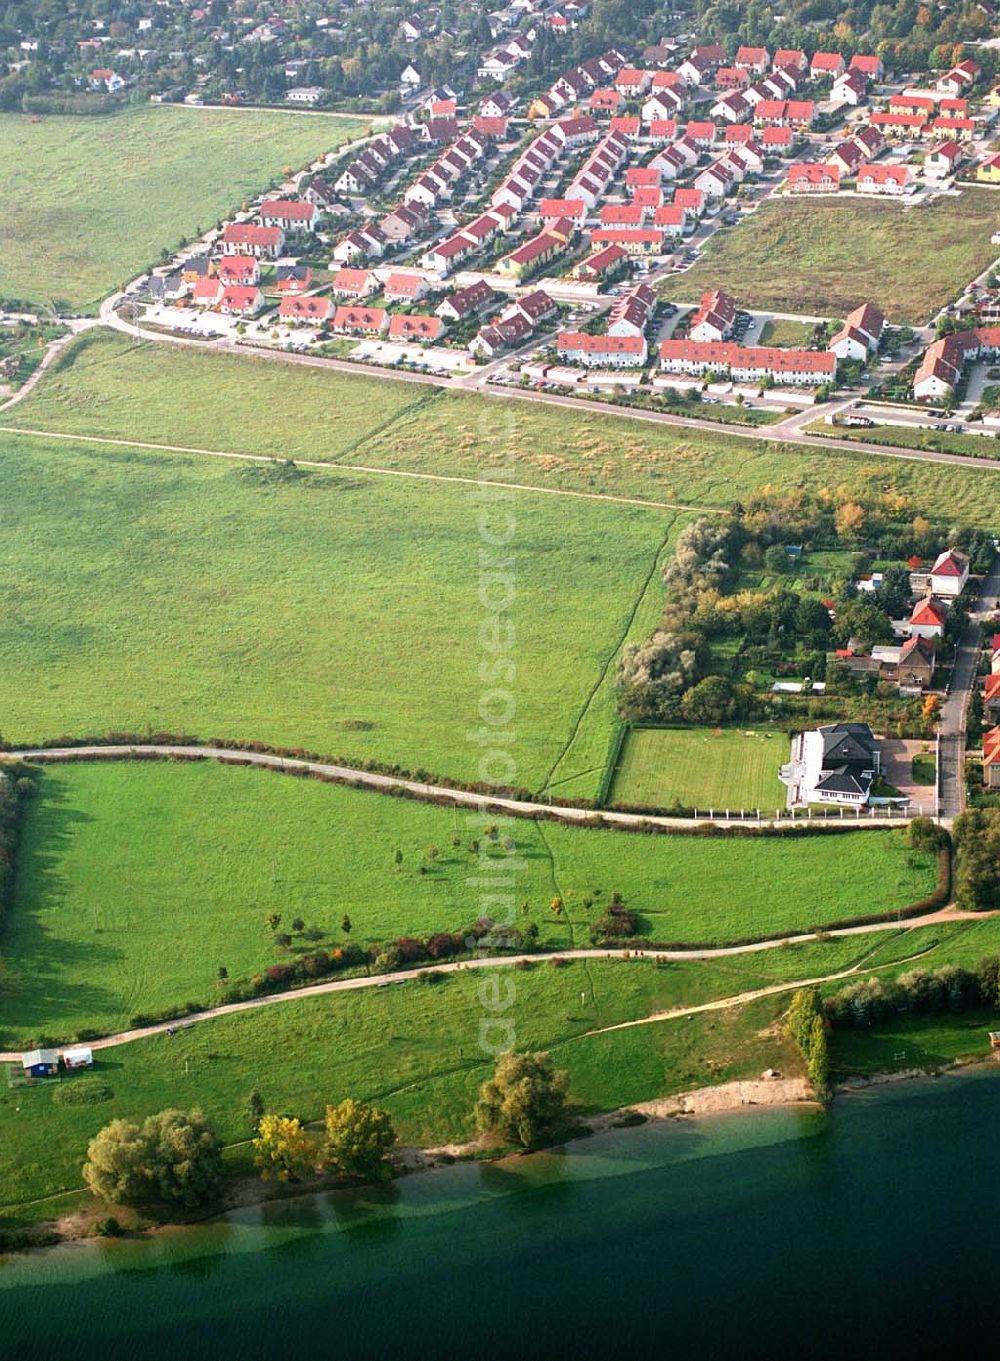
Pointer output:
x,y
955,707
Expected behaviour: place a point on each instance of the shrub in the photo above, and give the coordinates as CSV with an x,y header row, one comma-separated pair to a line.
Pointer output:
x,y
87,1091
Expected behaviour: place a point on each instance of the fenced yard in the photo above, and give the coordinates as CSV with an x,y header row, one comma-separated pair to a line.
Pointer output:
x,y
704,768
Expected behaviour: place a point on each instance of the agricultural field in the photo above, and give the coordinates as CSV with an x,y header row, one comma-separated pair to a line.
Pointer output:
x,y
701,768
109,194
330,611
910,262
137,881
422,1057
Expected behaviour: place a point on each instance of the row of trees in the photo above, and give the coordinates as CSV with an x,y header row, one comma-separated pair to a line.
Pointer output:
x,y
174,1159
919,992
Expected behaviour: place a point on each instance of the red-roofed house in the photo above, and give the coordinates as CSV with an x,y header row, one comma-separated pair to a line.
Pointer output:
x,y
928,619
354,283
790,58
365,321
602,351
313,310
413,326
289,214
239,269
942,161
991,759
868,66
991,696
402,286
900,124
950,573
810,178
240,300
602,262
961,129
634,240
633,83
885,179
753,59
827,65
748,363
249,238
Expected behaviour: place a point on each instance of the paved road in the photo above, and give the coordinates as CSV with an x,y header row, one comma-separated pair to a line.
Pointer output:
x,y
508,961
955,708
373,780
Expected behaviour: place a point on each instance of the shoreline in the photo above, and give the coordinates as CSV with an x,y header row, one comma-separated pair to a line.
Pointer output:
x,y
740,1096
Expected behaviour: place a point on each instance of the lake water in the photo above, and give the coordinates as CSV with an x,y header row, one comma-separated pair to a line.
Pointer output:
x,y
870,1231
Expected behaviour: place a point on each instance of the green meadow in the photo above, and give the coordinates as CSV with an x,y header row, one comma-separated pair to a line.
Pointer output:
x,y
137,881
86,203
107,385
419,1050
706,768
329,611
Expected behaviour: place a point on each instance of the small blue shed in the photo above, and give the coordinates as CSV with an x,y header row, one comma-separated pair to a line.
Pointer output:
x,y
41,1063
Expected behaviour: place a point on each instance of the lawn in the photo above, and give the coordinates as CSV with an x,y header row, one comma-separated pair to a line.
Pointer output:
x,y
786,333
328,611
924,768
421,1053
88,202
137,881
701,768
826,258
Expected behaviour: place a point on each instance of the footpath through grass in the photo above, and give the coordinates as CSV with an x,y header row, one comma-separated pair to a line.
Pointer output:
x,y
137,881
701,768
88,202
108,386
824,258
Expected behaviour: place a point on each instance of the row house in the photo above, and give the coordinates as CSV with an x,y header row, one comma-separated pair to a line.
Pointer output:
x,y
365,243
677,160
956,129
591,182
539,250
291,215
310,311
941,367
574,209
860,335
632,312
714,318
466,302
601,263
406,222
361,321
808,177
750,364
632,240
602,351
354,283
923,105
900,125
250,238
785,113
889,180
517,322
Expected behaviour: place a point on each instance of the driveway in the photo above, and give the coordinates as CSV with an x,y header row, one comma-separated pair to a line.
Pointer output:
x,y
897,761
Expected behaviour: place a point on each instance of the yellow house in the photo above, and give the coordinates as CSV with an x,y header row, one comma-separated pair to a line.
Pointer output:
x,y
992,100
989,170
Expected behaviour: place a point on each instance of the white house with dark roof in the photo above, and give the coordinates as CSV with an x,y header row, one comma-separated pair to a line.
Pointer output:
x,y
835,764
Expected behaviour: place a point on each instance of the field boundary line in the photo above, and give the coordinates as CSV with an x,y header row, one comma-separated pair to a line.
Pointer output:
x,y
361,469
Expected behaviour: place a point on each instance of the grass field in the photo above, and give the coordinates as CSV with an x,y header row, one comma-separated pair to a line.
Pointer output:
x,y
701,768
333,612
908,261
137,881
786,333
421,1055
110,387
88,202
984,446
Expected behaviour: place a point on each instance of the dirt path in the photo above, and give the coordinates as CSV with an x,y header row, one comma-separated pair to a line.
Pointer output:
x,y
511,961
361,468
374,780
